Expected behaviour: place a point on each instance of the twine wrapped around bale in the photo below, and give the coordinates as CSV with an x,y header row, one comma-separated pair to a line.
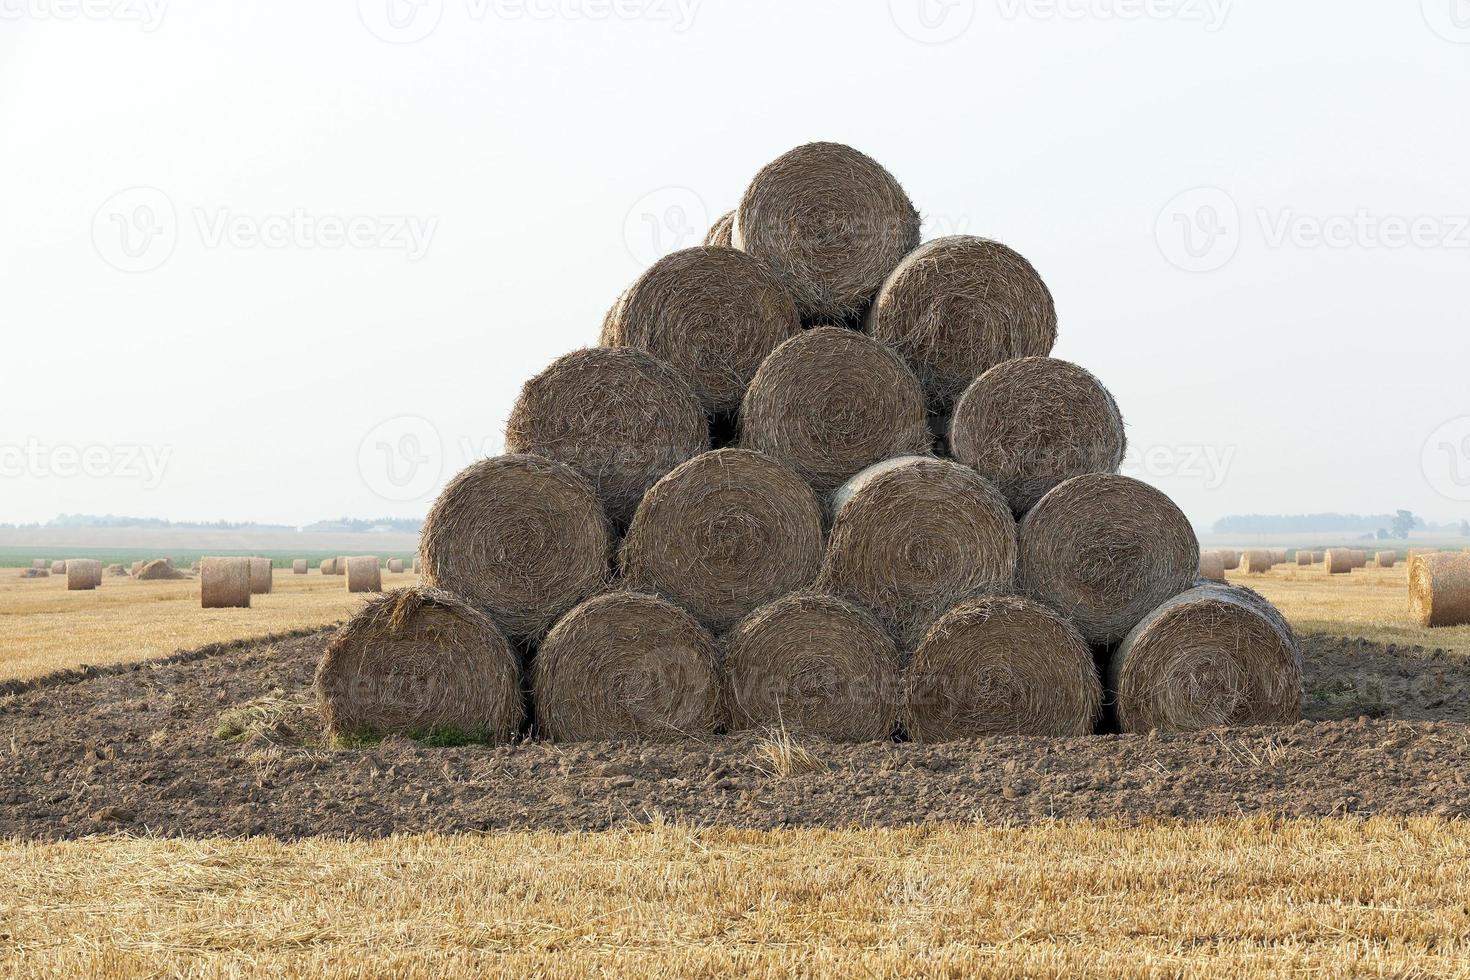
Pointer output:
x,y
1215,655
1026,425
813,664
1386,559
830,223
522,537
1001,665
627,665
158,570
913,536
298,566
1439,589
224,583
418,662
723,534
719,232
395,565
364,574
1256,561
712,314
1104,551
1339,561
1211,566
83,574
831,402
958,306
618,416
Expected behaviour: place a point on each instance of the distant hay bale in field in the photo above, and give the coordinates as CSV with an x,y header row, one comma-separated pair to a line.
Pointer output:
x,y
1421,552
1303,559
1439,589
261,577
1028,424
1386,559
363,574
913,536
831,402
618,416
395,565
723,534
1214,656
1256,561
958,306
416,566
116,570
816,665
1106,550
328,566
33,572
1212,566
339,567
136,567
420,661
58,568
711,314
194,566
298,566
1001,666
522,537
1338,561
83,574
719,232
1360,559
830,223
158,570
1231,559
627,665
38,563
1278,556
224,583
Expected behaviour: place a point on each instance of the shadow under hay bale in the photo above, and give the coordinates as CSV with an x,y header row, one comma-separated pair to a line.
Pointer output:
x,y
83,574
159,570
261,578
830,403
421,662
723,534
363,574
830,223
711,314
1001,666
816,665
1439,589
1029,424
719,232
522,537
1215,655
1106,550
224,583
913,536
958,306
620,417
627,665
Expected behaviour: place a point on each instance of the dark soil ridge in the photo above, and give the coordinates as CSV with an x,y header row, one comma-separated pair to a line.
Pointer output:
x,y
138,749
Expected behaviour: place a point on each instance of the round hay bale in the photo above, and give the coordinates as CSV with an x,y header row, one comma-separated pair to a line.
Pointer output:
x,y
1211,566
38,563
830,403
1386,559
724,534
618,416
1213,656
1303,559
363,574
813,664
1439,589
913,536
58,568
720,231
1339,561
395,565
298,566
1001,665
158,570
115,570
1256,561
712,314
224,583
261,577
1278,556
957,307
627,665
135,568
328,566
1231,558
1105,550
830,223
339,567
83,574
418,662
1421,552
522,537
41,573
1026,425
416,565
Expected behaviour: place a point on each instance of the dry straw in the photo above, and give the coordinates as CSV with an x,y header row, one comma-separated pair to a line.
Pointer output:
x,y
1104,551
1001,666
1214,656
159,569
1256,561
1231,558
1439,589
1278,556
298,566
329,566
1338,561
959,306
719,232
712,314
363,574
135,568
832,402
620,417
1211,566
224,583
522,537
395,565
1304,558
627,665
58,568
116,570
1360,559
1386,559
813,664
1421,552
830,223
1029,424
261,576
420,661
913,536
83,574
723,534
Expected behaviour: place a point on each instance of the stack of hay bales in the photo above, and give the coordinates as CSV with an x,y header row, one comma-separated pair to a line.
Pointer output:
x,y
820,477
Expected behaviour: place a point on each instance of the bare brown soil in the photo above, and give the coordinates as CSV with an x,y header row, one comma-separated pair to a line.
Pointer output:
x,y
225,741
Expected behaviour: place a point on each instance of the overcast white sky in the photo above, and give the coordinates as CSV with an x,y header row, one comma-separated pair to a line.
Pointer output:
x,y
251,254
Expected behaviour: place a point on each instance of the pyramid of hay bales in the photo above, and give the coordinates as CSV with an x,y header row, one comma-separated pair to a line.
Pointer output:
x,y
821,476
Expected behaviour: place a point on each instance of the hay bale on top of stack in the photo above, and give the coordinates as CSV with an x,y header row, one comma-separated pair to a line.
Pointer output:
x,y
733,514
